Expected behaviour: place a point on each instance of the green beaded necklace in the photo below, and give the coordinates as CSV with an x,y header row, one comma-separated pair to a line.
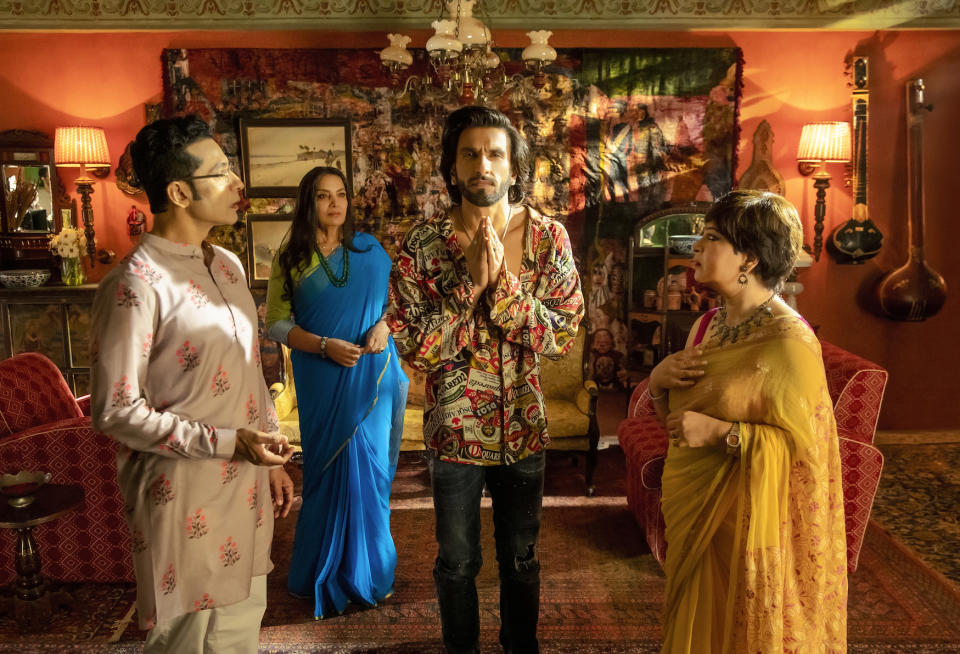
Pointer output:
x,y
339,282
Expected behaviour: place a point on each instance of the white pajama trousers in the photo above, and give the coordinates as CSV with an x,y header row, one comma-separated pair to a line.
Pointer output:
x,y
233,629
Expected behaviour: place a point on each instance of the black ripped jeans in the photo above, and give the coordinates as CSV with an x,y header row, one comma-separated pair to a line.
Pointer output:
x,y
517,494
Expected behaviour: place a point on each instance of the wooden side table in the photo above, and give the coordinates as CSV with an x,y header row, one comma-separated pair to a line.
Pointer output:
x,y
32,601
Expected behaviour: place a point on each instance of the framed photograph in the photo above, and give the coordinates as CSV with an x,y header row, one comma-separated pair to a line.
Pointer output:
x,y
265,233
277,153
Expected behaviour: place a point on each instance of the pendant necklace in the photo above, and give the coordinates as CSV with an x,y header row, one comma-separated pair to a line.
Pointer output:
x,y
339,282
744,327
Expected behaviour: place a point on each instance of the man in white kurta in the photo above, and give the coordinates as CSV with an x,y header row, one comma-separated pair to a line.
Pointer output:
x,y
177,382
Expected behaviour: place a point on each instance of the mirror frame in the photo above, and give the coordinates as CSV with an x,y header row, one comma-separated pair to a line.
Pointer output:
x,y
29,249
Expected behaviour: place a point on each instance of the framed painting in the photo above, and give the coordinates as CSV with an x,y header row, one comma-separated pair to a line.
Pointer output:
x,y
265,233
277,153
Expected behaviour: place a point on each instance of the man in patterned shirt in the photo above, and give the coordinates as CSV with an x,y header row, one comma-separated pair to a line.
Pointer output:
x,y
177,382
478,295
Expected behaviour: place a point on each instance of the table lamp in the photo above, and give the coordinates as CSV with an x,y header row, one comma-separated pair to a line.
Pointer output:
x,y
820,144
83,147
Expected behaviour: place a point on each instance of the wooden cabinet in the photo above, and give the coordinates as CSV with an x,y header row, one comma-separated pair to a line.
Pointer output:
x,y
663,300
55,321
51,320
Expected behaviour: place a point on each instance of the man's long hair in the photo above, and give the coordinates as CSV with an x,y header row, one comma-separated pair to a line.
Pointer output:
x,y
476,116
297,251
159,155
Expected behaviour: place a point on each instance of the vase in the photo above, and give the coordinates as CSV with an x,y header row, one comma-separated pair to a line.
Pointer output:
x,y
71,271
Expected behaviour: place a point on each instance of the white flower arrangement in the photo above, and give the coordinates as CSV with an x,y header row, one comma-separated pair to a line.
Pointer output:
x,y
70,243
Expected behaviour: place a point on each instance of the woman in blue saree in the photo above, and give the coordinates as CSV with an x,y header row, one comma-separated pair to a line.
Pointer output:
x,y
326,300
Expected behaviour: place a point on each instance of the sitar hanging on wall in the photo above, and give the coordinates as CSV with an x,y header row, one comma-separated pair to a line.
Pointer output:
x,y
914,291
858,239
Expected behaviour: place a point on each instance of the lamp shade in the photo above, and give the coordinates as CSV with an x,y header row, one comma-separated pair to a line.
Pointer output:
x,y
74,147
825,142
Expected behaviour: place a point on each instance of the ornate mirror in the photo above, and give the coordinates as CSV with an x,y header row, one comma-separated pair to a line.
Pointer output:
x,y
32,199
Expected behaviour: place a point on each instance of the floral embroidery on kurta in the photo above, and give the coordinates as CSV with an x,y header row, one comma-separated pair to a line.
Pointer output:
x,y
228,274
145,272
147,344
139,543
187,357
197,296
252,414
229,472
197,525
161,491
272,422
221,384
169,581
228,552
121,392
126,297
205,602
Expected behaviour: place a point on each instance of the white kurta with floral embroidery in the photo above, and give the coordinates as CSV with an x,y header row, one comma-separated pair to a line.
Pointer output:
x,y
176,370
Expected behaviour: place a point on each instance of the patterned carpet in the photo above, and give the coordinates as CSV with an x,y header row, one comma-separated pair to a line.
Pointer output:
x,y
918,501
602,591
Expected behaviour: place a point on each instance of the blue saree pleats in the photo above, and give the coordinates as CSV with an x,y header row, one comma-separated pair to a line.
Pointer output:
x,y
351,420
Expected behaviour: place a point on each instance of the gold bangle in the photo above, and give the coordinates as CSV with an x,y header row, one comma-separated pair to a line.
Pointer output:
x,y
657,397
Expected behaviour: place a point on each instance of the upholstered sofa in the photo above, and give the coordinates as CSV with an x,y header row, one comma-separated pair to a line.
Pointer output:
x,y
856,387
43,427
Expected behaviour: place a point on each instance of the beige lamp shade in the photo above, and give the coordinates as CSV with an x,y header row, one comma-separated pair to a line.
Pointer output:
x,y
75,147
824,142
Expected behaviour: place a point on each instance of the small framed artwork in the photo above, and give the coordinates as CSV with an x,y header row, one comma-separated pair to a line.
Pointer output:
x,y
278,152
265,233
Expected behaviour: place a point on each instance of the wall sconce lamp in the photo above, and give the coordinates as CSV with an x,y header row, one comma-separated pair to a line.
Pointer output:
x,y
820,144
83,147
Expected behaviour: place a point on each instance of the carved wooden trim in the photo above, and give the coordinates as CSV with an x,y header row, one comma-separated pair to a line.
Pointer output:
x,y
499,14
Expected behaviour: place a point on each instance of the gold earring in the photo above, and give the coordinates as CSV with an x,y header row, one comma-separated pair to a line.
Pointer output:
x,y
742,277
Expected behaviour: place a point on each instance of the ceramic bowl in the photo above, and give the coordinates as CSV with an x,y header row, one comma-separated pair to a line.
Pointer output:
x,y
24,278
683,244
19,488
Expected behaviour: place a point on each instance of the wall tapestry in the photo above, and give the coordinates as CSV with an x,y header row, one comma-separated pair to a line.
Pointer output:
x,y
615,134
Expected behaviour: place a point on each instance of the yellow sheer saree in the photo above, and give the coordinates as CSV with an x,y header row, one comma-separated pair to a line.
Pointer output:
x,y
756,549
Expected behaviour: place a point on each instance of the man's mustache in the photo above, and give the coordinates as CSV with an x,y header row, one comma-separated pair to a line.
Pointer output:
x,y
483,178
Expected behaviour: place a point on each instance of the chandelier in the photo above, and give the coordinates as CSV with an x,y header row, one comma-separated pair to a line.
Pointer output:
x,y
462,59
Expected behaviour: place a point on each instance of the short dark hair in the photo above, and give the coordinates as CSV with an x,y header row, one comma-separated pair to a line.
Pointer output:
x,y
159,156
762,225
476,116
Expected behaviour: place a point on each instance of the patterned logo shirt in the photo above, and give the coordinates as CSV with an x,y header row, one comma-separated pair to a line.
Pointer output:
x,y
483,401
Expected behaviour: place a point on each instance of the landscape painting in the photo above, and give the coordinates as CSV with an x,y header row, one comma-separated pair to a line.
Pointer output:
x,y
278,153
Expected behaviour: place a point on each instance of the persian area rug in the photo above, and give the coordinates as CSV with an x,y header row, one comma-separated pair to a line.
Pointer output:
x,y
99,614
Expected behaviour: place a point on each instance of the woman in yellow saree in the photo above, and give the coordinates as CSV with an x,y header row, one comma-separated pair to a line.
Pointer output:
x,y
752,500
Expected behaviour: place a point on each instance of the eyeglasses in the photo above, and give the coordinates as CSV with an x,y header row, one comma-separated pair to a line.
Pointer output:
x,y
232,171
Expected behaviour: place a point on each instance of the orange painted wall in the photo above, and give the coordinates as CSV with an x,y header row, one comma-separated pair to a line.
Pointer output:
x,y
790,78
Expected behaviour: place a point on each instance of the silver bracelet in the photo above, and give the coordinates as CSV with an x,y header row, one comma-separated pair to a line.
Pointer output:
x,y
323,347
657,397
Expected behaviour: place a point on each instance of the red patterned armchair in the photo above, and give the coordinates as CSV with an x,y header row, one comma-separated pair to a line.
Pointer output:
x,y
43,427
856,387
